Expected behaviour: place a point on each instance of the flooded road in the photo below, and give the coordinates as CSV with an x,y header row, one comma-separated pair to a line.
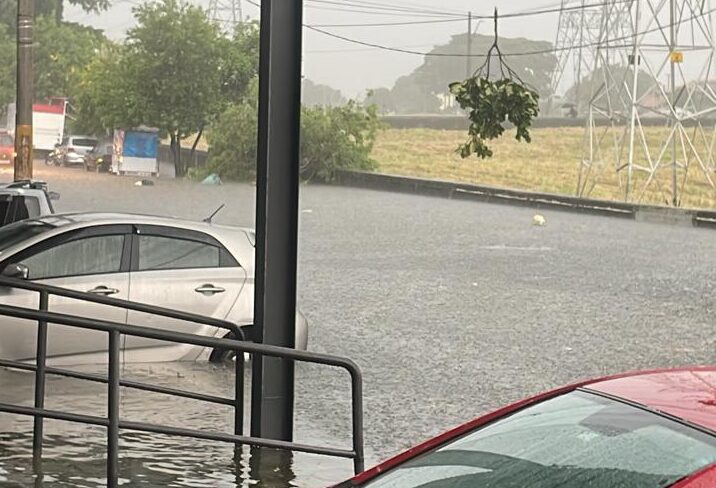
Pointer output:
x,y
451,308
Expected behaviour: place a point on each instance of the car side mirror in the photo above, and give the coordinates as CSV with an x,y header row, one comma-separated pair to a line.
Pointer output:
x,y
16,270
53,195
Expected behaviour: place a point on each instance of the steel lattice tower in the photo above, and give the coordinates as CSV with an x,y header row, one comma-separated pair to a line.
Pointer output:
x,y
579,27
226,13
651,130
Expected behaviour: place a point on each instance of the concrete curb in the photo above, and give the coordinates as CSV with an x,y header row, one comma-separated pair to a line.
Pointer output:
x,y
484,193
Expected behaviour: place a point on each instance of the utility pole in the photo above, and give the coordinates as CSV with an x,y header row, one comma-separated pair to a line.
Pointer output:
x,y
25,89
468,62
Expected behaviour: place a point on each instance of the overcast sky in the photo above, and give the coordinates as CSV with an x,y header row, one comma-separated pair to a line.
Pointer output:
x,y
352,68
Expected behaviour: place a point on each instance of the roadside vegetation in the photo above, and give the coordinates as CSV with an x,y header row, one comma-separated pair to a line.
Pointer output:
x,y
549,164
176,71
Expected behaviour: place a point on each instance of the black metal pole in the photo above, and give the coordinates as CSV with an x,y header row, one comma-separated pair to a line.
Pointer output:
x,y
113,411
40,375
239,395
277,214
25,89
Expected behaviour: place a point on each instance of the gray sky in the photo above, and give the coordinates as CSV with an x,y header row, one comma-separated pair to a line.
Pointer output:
x,y
352,68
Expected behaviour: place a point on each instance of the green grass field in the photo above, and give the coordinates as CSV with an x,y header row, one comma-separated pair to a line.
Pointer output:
x,y
549,164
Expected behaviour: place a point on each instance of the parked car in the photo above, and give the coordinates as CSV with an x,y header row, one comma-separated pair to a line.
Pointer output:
x,y
7,148
99,159
26,199
196,267
72,149
651,429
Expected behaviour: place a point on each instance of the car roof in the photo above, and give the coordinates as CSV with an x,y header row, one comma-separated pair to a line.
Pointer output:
x,y
108,218
688,393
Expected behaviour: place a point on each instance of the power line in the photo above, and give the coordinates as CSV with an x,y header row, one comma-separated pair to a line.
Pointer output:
x,y
463,18
381,24
387,7
527,53
371,12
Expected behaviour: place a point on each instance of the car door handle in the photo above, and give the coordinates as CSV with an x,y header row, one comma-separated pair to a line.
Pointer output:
x,y
103,290
209,289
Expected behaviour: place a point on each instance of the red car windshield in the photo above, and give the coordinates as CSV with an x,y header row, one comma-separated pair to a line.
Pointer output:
x,y
5,140
576,440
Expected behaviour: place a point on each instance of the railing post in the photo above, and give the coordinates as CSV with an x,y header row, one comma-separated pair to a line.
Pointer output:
x,y
40,363
239,394
357,391
113,411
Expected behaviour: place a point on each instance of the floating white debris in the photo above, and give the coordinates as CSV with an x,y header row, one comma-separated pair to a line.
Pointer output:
x,y
539,220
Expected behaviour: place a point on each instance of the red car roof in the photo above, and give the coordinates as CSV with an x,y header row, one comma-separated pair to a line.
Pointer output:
x,y
689,394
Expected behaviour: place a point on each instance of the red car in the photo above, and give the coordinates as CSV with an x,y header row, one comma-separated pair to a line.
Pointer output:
x,y
651,429
7,148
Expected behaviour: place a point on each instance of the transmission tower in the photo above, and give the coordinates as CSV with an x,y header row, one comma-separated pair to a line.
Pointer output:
x,y
226,13
579,25
652,111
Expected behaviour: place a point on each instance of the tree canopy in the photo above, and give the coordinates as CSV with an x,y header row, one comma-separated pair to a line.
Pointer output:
x,y
319,95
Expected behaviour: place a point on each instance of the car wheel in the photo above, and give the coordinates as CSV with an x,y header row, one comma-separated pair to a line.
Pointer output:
x,y
224,356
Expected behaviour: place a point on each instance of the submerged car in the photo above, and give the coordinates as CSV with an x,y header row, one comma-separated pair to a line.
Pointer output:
x,y
99,159
72,150
651,429
196,267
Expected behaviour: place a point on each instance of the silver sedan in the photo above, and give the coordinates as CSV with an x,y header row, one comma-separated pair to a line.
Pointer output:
x,y
196,267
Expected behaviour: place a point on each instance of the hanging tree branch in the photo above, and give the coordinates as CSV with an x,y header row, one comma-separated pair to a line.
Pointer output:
x,y
492,103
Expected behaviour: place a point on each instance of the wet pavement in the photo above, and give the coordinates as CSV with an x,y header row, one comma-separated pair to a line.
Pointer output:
x,y
451,308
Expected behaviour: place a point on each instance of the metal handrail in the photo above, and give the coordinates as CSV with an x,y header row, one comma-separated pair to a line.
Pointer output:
x,y
115,330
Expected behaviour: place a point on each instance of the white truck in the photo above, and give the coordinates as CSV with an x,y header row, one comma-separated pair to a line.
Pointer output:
x,y
48,123
135,152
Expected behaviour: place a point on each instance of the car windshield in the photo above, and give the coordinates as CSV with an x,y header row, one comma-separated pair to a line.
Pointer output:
x,y
5,140
13,234
575,440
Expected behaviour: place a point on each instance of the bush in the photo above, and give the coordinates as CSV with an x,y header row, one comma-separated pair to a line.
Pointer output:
x,y
331,138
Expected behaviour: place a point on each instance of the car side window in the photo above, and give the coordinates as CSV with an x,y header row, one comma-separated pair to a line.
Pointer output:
x,y
163,253
86,256
33,206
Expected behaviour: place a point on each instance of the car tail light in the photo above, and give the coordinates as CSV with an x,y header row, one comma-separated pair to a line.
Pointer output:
x,y
70,149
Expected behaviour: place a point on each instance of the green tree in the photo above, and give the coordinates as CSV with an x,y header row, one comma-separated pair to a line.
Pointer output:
x,y
175,74
106,95
62,51
238,66
593,84
316,94
331,138
7,68
382,98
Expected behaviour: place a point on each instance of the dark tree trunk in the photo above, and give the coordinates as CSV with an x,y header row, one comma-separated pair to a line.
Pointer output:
x,y
196,143
59,11
175,145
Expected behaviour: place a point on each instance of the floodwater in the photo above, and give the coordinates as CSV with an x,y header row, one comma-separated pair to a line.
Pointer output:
x,y
451,308
74,454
